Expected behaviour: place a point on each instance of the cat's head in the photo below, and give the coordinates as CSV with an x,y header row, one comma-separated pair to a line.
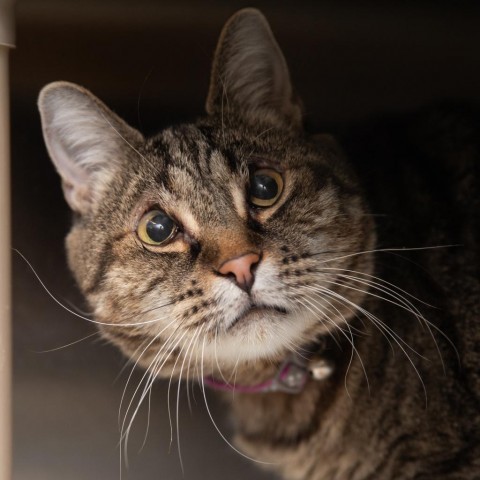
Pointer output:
x,y
226,238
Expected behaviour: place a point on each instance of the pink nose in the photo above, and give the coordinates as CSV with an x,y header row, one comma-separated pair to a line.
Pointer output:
x,y
241,268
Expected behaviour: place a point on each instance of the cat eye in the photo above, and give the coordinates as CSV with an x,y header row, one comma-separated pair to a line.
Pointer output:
x,y
266,185
156,228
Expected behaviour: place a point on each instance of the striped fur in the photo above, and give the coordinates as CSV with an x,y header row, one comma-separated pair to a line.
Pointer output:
x,y
399,405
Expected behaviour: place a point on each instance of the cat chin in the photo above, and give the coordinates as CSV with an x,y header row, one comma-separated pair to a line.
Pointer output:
x,y
262,334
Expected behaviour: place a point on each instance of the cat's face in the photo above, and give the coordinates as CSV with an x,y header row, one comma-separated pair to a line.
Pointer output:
x,y
223,239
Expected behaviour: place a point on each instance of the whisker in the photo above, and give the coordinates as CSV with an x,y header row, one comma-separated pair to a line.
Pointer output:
x,y
151,373
140,96
119,325
382,282
369,315
408,305
216,357
382,326
76,308
68,344
403,303
131,401
188,373
194,337
168,399
157,369
147,428
354,348
154,339
213,421
379,250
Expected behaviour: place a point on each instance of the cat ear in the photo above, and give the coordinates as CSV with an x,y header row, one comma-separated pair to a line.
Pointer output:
x,y
250,76
85,141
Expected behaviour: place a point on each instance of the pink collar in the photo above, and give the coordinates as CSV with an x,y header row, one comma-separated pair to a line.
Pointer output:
x,y
292,376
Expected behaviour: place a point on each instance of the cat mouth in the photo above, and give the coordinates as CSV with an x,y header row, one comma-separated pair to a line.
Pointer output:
x,y
256,311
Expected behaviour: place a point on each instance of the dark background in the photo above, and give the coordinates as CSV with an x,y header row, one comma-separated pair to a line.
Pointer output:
x,y
149,61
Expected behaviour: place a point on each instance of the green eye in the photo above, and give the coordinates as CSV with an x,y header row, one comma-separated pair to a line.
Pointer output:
x,y
156,228
266,185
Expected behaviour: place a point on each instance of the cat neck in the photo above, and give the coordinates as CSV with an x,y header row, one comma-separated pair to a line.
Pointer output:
x,y
312,362
272,419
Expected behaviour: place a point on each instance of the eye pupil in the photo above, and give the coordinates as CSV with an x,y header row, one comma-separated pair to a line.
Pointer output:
x,y
159,227
264,187
156,228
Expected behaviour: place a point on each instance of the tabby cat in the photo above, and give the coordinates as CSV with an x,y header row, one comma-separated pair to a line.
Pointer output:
x,y
243,252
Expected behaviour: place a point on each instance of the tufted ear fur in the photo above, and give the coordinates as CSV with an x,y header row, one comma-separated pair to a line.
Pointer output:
x,y
85,141
250,76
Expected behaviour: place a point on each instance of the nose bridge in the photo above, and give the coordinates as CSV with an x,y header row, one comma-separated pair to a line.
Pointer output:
x,y
234,243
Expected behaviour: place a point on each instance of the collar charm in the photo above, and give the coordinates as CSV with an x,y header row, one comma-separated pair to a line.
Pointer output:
x,y
292,376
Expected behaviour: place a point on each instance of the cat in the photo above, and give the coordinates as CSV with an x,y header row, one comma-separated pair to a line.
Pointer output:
x,y
260,259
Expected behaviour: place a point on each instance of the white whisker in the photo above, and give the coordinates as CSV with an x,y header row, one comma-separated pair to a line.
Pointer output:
x,y
381,326
379,250
350,340
192,342
151,374
150,343
69,344
69,310
213,421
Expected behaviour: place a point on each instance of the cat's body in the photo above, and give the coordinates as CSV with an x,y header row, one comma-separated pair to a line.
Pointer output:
x,y
216,249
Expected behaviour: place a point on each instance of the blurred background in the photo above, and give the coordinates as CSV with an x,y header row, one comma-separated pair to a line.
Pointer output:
x,y
149,60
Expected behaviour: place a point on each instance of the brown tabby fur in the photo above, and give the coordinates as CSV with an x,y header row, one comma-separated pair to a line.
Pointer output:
x,y
403,400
